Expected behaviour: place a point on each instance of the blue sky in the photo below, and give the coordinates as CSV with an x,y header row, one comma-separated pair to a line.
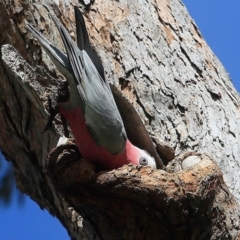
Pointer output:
x,y
219,23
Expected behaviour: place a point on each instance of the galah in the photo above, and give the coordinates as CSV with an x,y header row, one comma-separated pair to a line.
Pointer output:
x,y
91,111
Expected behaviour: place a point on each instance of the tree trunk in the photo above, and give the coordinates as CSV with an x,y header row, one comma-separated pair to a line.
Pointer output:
x,y
153,52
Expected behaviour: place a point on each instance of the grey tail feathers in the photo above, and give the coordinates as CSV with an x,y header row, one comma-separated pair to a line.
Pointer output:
x,y
84,43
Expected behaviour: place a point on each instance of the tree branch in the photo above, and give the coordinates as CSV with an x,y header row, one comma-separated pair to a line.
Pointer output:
x,y
143,203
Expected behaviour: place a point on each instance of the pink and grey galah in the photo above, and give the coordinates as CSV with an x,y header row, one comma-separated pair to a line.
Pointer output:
x,y
91,111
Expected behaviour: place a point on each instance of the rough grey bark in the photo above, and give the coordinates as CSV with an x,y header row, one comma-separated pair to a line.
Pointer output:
x,y
142,203
153,52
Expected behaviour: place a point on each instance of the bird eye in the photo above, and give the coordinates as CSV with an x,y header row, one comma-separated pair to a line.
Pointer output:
x,y
143,161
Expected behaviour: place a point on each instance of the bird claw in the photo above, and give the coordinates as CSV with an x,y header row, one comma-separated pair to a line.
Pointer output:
x,y
63,92
53,112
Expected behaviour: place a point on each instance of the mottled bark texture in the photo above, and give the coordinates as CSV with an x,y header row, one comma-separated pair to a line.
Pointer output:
x,y
153,52
143,203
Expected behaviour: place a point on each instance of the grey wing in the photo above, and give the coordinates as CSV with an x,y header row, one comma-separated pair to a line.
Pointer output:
x,y
84,43
101,113
59,58
62,63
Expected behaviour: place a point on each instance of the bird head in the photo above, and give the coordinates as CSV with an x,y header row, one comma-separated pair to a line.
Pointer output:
x,y
145,159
